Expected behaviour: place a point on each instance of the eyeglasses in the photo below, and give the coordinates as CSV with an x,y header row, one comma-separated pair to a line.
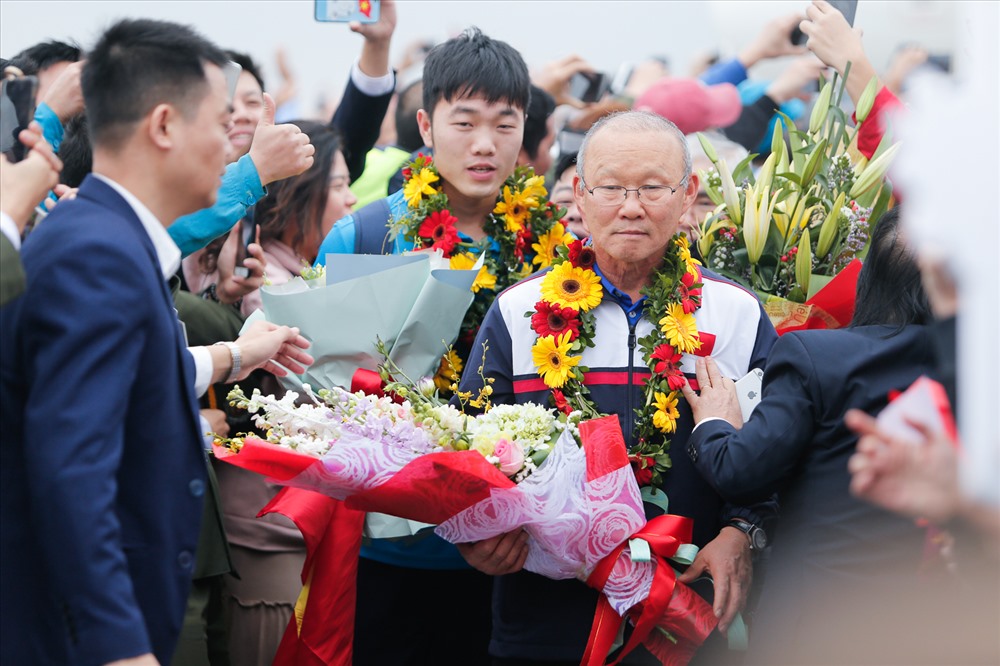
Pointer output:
x,y
615,195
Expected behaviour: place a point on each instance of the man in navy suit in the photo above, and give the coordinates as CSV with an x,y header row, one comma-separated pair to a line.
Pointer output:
x,y
102,472
839,567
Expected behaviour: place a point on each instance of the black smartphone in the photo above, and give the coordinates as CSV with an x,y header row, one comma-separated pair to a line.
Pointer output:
x,y
248,234
588,87
846,7
17,109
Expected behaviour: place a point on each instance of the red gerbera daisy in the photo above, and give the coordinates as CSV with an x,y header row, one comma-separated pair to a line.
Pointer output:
x,y
439,228
580,255
667,356
552,319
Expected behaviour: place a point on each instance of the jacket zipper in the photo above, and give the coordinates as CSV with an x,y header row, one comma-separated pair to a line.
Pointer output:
x,y
629,407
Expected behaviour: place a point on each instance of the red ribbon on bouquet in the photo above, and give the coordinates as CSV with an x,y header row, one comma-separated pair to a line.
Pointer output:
x,y
694,619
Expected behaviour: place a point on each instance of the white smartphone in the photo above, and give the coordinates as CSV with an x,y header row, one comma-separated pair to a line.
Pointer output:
x,y
748,391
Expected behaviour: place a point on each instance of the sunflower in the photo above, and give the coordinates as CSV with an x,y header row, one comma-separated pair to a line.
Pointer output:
x,y
551,356
449,371
547,243
515,208
666,414
484,279
680,329
573,287
550,319
418,185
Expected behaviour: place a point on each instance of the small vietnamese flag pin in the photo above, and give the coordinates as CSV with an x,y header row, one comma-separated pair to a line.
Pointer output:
x,y
365,7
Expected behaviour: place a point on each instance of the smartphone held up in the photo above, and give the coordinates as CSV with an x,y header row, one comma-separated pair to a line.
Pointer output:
x,y
17,108
347,11
846,7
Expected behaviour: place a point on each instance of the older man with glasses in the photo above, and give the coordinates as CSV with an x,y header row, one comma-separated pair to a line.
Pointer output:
x,y
633,184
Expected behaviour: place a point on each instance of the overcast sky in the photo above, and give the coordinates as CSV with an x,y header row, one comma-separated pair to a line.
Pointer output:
x,y
607,33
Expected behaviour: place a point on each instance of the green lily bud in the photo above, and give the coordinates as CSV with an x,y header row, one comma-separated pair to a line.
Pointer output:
x,y
874,172
709,149
820,109
866,100
766,174
778,142
828,231
813,163
730,194
803,262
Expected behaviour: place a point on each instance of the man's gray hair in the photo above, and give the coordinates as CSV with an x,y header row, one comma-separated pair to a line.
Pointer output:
x,y
637,121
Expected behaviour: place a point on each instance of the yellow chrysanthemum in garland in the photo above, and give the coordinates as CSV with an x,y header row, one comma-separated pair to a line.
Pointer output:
x,y
534,189
418,185
484,279
449,371
551,356
515,208
571,287
666,414
680,329
545,248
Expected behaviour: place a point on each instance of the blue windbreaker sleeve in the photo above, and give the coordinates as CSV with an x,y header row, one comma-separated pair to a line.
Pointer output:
x,y
52,127
731,71
241,188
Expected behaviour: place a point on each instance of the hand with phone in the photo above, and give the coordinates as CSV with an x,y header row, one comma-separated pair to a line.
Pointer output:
x,y
25,183
772,41
836,43
245,257
555,79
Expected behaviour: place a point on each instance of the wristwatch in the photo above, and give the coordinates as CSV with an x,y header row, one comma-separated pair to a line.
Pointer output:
x,y
756,535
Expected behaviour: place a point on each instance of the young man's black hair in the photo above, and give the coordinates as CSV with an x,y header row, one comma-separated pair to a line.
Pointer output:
x,y
540,107
45,54
138,64
248,64
473,64
75,152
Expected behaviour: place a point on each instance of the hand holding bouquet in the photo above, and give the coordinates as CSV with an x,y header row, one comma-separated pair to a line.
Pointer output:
x,y
567,483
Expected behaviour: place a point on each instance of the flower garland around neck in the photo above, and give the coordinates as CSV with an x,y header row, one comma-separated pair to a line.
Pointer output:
x,y
523,233
564,323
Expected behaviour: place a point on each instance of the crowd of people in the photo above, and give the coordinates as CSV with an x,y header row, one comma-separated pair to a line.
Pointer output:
x,y
161,187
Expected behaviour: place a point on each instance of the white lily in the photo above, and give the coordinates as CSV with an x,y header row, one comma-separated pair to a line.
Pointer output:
x,y
757,222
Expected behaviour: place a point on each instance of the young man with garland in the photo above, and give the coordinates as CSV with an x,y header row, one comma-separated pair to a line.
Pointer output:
x,y
615,328
419,602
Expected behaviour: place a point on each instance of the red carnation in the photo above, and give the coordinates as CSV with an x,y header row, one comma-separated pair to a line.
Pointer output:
x,y
688,305
580,255
439,227
407,173
560,399
551,319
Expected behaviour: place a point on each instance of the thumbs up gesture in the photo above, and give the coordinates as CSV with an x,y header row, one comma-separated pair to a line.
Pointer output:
x,y
279,151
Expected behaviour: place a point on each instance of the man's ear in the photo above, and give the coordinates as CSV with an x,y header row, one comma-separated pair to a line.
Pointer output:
x,y
579,195
691,191
424,123
160,125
